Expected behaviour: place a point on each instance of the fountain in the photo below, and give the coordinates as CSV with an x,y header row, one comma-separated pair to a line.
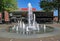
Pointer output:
x,y
32,27
44,28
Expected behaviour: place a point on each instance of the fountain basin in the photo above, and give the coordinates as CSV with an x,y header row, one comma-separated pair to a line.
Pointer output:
x,y
5,34
41,31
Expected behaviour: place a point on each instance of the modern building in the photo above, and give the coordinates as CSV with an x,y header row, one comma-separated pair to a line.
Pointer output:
x,y
41,16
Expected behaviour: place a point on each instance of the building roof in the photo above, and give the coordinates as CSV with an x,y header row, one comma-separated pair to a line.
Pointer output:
x,y
26,9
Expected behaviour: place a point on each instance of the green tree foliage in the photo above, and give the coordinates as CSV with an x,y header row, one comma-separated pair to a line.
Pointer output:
x,y
1,5
49,5
8,5
46,5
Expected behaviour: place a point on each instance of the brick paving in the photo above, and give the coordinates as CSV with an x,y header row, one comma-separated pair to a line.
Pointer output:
x,y
52,38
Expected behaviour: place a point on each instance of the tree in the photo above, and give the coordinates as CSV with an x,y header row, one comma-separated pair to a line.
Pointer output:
x,y
8,5
49,5
1,5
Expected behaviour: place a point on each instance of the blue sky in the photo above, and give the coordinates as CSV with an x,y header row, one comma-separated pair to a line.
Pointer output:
x,y
35,4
